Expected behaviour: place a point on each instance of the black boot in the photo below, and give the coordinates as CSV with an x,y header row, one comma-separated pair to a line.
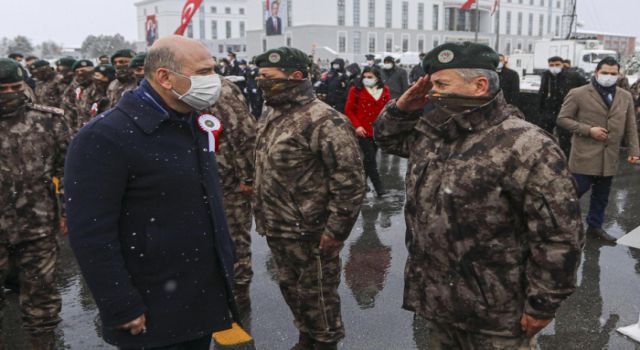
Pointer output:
x,y
602,235
305,342
326,346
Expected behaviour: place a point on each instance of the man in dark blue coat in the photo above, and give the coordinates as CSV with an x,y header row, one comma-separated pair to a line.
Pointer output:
x,y
145,210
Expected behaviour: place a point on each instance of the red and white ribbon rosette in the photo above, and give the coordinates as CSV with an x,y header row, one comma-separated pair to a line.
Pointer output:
x,y
211,126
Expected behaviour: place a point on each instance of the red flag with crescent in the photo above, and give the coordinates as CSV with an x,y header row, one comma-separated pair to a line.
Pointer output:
x,y
189,9
467,5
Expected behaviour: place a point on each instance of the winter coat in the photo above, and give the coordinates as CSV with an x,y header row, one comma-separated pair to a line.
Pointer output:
x,y
362,109
510,85
397,80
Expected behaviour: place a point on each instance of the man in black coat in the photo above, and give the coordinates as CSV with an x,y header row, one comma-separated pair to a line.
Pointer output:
x,y
144,207
336,87
509,81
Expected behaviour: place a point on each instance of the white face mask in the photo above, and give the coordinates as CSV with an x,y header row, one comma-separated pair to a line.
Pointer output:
x,y
607,80
204,92
369,82
336,66
500,66
388,66
555,70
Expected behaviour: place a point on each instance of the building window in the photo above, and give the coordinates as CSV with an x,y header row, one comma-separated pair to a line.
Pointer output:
x,y
290,13
214,30
520,2
436,16
214,9
405,43
144,11
530,48
508,49
372,43
508,22
220,48
436,42
542,3
519,23
557,25
421,45
190,30
558,4
420,16
405,15
372,13
389,44
541,25
242,34
288,41
201,22
241,11
342,42
519,45
357,41
227,10
459,20
388,14
530,27
341,12
530,2
356,13
228,25
264,45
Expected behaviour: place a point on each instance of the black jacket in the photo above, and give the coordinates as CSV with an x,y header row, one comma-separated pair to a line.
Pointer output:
x,y
397,79
337,86
553,89
510,84
147,225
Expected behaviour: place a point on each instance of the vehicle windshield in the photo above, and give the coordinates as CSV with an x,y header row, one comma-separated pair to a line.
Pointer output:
x,y
596,57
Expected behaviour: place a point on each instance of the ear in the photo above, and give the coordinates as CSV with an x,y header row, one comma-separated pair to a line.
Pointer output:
x,y
163,78
482,86
297,75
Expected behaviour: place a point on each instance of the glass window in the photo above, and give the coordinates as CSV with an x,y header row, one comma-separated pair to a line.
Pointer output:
x,y
214,30
557,25
436,16
405,44
241,11
541,25
201,22
530,27
372,44
508,49
290,13
372,13
228,25
389,44
558,4
190,30
357,38
155,9
421,45
342,43
388,14
227,10
508,22
242,34
420,16
288,41
144,11
356,13
214,9
542,3
405,15
341,12
436,42
519,23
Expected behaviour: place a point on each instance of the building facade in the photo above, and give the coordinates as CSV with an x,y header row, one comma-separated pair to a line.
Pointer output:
x,y
624,45
219,24
353,28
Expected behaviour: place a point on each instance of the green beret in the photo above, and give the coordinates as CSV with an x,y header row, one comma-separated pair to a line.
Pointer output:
x,y
284,57
66,61
39,64
107,70
128,53
138,61
10,71
460,55
81,64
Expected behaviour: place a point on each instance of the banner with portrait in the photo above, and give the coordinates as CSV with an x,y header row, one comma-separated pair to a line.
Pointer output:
x,y
275,17
151,30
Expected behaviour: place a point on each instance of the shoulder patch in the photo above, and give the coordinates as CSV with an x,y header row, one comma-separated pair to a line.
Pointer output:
x,y
46,109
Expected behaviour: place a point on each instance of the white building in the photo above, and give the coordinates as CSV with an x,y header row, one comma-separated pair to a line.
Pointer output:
x,y
219,24
353,28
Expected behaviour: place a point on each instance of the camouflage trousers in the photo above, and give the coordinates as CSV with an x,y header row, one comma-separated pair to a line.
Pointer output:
x,y
237,207
36,263
309,283
445,337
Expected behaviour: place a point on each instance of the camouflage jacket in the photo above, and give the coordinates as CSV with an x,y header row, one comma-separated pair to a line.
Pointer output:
x,y
32,148
237,142
309,175
70,96
47,91
92,102
493,219
117,89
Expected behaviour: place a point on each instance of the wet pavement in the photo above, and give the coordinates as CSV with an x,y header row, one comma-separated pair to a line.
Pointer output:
x,y
372,283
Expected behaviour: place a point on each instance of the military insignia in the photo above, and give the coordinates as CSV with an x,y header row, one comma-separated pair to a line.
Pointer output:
x,y
83,63
274,57
211,126
94,109
78,93
446,56
19,72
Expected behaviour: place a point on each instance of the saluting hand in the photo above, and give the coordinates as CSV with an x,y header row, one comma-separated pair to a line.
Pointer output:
x,y
415,99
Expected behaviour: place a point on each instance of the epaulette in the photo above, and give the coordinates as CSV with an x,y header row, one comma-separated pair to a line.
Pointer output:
x,y
46,109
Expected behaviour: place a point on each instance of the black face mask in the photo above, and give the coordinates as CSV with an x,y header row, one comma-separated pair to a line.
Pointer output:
x,y
101,85
458,104
11,103
84,78
124,74
273,87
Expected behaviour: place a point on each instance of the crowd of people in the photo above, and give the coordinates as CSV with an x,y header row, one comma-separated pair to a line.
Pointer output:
x,y
155,164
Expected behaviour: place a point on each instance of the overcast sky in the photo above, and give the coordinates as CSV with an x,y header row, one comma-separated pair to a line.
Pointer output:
x,y
69,21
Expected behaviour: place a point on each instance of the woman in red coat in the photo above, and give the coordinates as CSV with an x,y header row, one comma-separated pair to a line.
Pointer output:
x,y
366,100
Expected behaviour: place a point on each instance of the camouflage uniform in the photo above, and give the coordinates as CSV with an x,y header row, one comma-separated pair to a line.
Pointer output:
x,y
47,91
117,88
235,165
493,220
70,97
32,147
309,182
92,101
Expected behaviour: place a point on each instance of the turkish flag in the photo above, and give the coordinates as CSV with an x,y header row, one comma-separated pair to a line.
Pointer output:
x,y
188,11
467,5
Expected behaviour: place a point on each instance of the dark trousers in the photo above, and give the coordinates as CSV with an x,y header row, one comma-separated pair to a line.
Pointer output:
x,y
600,187
196,344
369,151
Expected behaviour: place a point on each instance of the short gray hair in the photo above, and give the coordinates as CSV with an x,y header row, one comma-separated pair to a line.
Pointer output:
x,y
468,74
162,57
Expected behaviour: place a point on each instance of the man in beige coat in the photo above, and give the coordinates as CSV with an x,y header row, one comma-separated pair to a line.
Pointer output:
x,y
599,115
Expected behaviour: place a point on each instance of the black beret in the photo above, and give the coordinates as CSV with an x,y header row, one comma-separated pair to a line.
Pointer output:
x,y
39,64
284,57
107,70
15,55
128,53
138,61
460,55
10,71
81,64
30,58
370,57
66,61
